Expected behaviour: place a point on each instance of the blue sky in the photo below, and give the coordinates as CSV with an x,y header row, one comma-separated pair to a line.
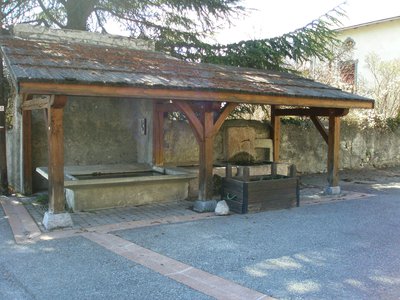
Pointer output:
x,y
267,18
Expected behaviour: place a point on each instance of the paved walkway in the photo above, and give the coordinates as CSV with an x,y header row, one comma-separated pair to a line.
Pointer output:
x,y
113,215
159,241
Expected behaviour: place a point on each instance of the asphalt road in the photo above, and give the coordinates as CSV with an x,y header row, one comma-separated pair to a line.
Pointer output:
x,y
344,250
341,250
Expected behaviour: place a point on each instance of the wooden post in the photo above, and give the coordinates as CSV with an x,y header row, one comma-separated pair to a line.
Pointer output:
x,y
333,151
158,136
206,156
276,133
205,129
27,150
56,155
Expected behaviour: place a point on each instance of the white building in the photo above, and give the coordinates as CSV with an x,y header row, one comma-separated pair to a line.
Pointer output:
x,y
381,37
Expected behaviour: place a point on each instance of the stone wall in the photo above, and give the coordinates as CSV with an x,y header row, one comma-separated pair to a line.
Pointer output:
x,y
301,144
96,131
181,148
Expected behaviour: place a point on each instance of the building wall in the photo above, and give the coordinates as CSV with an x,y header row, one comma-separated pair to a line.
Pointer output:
x,y
380,38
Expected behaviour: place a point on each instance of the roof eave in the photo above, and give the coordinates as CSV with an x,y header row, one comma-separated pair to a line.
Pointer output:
x,y
162,93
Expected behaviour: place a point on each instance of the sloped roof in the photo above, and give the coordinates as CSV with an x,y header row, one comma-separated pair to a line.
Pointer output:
x,y
375,22
66,63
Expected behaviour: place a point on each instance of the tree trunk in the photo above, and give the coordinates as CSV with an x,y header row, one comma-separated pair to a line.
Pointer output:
x,y
78,13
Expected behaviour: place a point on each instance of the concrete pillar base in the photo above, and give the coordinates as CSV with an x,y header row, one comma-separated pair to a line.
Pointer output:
x,y
52,221
332,190
204,205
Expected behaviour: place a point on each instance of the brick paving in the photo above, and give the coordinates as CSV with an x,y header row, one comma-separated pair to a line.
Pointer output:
x,y
112,215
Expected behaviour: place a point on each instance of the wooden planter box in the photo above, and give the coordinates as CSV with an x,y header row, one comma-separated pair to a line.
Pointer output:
x,y
260,193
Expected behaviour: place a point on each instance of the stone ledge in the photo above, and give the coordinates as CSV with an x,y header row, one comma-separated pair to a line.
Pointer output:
x,y
78,36
204,205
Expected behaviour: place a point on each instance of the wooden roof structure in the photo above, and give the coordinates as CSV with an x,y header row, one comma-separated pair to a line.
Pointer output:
x,y
62,69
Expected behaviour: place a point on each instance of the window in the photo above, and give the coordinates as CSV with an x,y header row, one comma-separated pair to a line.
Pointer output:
x,y
348,71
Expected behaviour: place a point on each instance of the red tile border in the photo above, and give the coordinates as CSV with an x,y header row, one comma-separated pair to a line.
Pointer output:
x,y
197,279
22,225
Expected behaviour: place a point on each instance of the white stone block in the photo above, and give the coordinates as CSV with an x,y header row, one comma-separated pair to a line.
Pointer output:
x,y
332,190
222,208
52,221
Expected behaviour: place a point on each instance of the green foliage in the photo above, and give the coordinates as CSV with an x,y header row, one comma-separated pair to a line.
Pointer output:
x,y
178,27
316,39
14,11
42,199
393,123
298,121
242,158
142,18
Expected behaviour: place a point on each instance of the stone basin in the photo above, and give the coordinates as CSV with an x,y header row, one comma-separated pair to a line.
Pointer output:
x,y
105,186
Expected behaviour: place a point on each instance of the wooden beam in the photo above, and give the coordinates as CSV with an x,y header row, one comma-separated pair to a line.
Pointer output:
x,y
320,127
312,112
158,136
47,88
56,157
276,133
27,150
333,151
170,107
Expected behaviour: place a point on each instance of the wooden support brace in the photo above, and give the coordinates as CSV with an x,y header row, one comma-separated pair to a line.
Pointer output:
x,y
205,129
320,127
194,122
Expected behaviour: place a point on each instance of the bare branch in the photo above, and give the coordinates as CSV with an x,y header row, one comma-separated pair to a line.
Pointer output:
x,y
49,15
